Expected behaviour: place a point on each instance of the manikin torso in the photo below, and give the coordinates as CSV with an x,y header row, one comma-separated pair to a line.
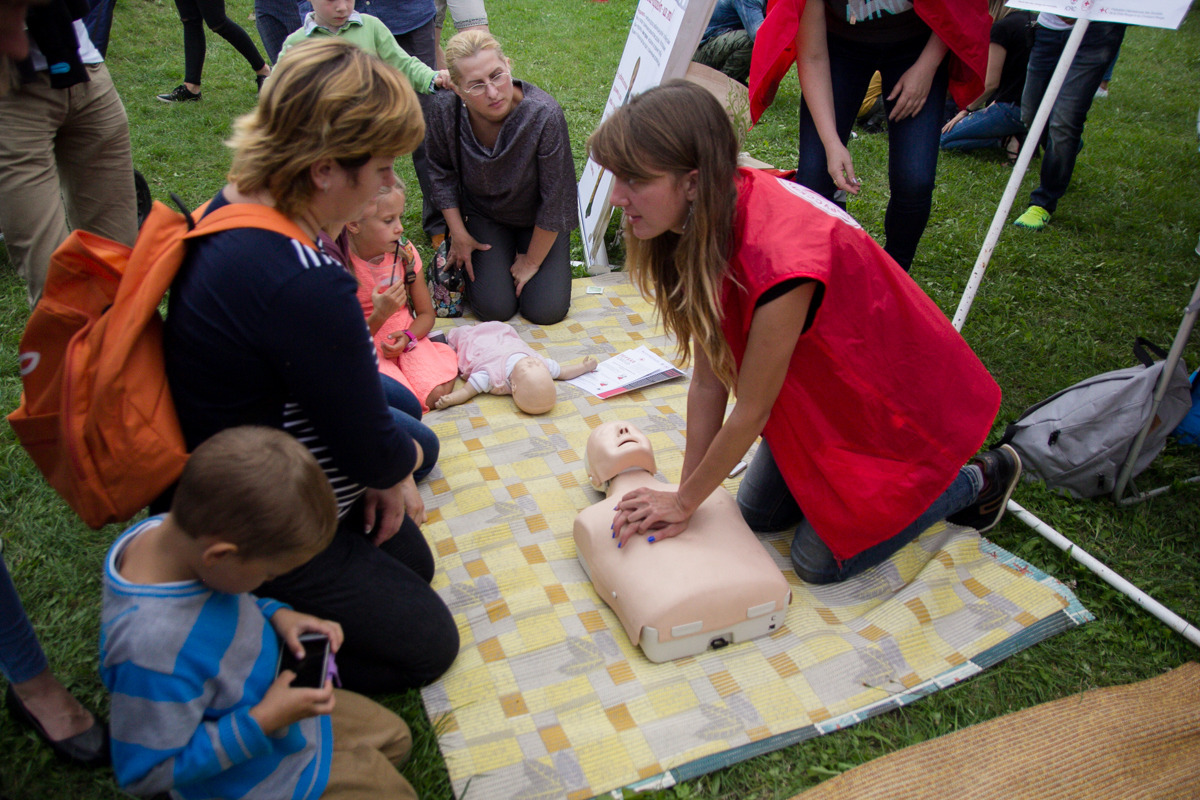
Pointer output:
x,y
712,585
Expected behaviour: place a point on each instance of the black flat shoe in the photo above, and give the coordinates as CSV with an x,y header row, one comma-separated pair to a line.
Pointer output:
x,y
90,748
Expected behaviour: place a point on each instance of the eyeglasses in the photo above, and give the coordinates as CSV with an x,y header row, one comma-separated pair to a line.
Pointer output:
x,y
499,80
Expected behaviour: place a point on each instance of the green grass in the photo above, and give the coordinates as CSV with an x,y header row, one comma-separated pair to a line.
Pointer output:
x,y
1117,261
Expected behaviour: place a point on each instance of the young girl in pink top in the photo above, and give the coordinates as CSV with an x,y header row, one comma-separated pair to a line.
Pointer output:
x,y
396,300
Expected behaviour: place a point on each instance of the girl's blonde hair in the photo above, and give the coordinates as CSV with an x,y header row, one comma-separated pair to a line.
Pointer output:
x,y
998,10
326,99
671,130
397,186
467,44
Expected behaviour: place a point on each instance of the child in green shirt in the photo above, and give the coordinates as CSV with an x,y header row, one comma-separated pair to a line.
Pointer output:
x,y
338,18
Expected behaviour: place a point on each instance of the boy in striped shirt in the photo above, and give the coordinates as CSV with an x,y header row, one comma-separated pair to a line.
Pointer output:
x,y
190,656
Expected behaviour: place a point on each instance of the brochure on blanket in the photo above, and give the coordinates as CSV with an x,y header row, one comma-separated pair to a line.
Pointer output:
x,y
1152,13
662,38
624,372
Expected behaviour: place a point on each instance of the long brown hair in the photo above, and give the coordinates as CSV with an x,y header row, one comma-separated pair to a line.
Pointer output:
x,y
671,130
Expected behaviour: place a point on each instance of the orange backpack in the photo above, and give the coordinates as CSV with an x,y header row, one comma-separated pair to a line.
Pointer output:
x,y
96,413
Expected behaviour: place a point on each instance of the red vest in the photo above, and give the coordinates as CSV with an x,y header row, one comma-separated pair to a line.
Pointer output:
x,y
964,25
883,401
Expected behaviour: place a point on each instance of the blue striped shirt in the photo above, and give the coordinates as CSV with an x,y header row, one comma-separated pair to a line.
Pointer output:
x,y
184,666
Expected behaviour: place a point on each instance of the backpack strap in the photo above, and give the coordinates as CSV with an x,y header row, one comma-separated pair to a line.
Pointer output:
x,y
249,215
1140,346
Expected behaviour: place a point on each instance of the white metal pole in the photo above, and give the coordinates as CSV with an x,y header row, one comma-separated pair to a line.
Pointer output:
x,y
1019,169
1171,619
1161,612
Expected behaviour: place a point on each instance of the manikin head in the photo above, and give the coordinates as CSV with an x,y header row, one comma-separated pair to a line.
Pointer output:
x,y
613,448
532,387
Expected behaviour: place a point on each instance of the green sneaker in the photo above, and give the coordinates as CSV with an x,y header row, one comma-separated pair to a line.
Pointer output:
x,y
1035,218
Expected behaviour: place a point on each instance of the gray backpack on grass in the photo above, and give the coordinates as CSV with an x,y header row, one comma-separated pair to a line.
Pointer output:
x,y
1078,440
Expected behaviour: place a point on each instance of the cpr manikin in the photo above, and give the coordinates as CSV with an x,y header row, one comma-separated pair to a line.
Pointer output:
x,y
710,586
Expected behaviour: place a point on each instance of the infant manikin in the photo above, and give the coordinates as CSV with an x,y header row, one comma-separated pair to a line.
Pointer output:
x,y
493,358
710,586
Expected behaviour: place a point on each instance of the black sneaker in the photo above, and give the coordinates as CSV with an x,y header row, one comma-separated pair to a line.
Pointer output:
x,y
180,94
1001,468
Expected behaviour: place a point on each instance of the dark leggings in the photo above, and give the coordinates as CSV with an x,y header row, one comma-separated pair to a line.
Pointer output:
x,y
544,300
195,14
399,633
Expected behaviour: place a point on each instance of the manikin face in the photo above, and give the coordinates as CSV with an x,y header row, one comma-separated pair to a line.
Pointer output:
x,y
615,447
532,387
655,205
332,14
489,71
378,232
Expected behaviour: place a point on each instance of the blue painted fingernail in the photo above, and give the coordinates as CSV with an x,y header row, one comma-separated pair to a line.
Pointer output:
x,y
618,545
651,540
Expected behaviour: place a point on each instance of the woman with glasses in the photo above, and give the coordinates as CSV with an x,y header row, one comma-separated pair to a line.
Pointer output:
x,y
503,175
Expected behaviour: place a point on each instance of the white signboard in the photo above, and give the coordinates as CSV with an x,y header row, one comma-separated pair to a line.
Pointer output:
x,y
1151,13
662,38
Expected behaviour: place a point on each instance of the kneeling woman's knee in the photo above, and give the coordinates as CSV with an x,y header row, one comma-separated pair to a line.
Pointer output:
x,y
438,651
546,313
493,309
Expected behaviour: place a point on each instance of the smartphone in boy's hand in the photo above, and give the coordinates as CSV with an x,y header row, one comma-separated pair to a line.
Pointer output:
x,y
313,669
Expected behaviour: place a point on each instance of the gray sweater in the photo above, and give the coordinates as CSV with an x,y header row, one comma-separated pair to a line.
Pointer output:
x,y
527,179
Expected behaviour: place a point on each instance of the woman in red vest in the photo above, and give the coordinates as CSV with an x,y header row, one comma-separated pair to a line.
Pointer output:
x,y
867,399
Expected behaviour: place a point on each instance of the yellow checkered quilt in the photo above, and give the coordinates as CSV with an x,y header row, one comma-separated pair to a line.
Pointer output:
x,y
548,698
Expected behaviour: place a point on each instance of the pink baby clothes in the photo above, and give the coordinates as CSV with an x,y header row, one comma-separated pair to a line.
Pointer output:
x,y
485,348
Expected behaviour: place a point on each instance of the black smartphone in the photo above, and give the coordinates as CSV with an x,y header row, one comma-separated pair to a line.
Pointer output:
x,y
312,670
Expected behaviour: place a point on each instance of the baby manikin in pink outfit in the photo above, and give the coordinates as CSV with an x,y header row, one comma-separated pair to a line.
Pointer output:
x,y
493,359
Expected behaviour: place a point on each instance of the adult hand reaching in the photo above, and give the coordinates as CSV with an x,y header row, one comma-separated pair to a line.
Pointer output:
x,y
414,506
522,270
957,118
909,94
645,511
383,512
461,248
841,168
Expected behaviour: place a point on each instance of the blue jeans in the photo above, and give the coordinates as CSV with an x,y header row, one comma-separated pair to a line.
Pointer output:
x,y
98,22
275,20
985,128
1064,131
912,143
767,504
21,657
406,411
